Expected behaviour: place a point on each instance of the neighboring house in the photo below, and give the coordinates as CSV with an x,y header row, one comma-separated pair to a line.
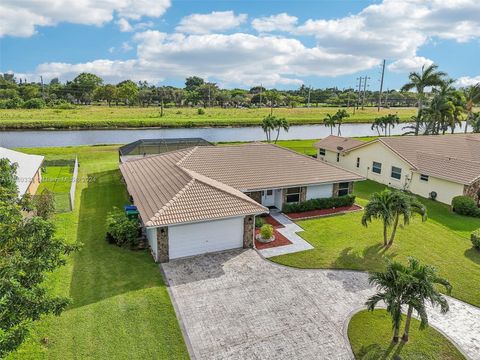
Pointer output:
x,y
29,170
440,167
205,199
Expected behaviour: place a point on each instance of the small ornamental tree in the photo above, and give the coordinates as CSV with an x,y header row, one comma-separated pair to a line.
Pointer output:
x,y
122,231
28,251
45,204
266,231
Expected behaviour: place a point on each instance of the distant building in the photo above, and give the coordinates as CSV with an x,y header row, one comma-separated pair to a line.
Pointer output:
x,y
29,173
439,167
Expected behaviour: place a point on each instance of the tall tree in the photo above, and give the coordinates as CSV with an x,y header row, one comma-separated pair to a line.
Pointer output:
x,y
84,85
429,76
192,83
472,97
330,121
268,125
29,251
389,206
421,289
280,124
391,287
340,115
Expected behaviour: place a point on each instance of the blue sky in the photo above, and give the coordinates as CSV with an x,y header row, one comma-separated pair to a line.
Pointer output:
x,y
280,44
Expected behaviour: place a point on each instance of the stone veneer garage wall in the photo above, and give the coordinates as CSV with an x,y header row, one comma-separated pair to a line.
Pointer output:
x,y
473,191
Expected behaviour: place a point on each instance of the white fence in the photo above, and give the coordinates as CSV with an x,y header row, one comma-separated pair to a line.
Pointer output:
x,y
73,186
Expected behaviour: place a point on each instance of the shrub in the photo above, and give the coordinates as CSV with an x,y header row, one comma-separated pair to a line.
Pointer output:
x,y
121,231
266,231
200,111
476,239
465,205
13,103
45,204
34,104
259,222
319,204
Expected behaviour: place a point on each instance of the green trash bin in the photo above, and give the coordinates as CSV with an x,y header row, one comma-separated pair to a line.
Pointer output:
x,y
132,214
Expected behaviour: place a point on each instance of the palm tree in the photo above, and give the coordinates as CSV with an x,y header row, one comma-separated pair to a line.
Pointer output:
x,y
330,121
389,206
391,285
380,207
390,121
475,122
472,97
422,288
339,116
378,125
268,124
440,114
429,76
279,124
405,206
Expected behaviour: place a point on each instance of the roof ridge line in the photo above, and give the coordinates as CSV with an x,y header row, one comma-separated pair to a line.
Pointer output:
x,y
187,155
448,157
172,200
246,198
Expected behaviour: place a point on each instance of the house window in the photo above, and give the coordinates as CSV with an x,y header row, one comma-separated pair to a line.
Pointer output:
x,y
423,177
343,189
293,195
377,167
338,157
358,162
321,152
396,173
269,192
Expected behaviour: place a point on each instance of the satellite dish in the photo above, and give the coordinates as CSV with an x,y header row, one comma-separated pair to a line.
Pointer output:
x,y
339,148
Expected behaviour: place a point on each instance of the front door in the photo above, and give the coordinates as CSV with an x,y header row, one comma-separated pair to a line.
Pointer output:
x,y
268,198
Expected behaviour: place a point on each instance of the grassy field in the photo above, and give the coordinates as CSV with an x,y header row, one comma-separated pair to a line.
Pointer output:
x,y
370,335
121,308
443,241
125,117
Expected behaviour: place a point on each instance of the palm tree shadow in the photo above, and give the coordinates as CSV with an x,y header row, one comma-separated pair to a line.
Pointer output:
x,y
473,255
376,351
371,257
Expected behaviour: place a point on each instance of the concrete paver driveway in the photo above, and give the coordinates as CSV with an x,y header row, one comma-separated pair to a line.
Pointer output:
x,y
236,305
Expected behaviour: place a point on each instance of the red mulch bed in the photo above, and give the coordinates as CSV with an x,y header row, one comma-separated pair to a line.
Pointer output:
x,y
323,212
280,240
270,220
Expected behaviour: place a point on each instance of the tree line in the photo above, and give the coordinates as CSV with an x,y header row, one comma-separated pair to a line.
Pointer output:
x,y
87,88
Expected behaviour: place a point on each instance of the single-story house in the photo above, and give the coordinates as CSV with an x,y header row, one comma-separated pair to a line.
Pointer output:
x,y
29,170
439,166
205,198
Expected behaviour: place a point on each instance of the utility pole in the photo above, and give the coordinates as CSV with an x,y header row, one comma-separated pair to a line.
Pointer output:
x,y
365,79
261,89
381,86
309,88
359,90
43,92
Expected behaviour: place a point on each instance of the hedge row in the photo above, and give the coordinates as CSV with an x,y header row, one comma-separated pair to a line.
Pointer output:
x,y
465,205
319,204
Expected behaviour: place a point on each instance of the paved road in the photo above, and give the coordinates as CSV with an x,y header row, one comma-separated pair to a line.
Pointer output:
x,y
236,305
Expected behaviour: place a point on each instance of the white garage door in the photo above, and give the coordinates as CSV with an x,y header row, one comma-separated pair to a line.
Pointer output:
x,y
204,237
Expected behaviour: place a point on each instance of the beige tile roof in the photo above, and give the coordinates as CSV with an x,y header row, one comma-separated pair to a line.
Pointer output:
x,y
262,166
337,143
451,157
167,194
205,183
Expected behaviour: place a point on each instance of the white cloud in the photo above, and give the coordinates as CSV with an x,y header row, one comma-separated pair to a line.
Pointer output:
x,y
466,81
21,17
395,29
409,64
279,22
216,21
235,59
125,26
126,47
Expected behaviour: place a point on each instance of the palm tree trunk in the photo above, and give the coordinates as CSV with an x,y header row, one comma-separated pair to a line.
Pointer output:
x,y
407,324
394,230
467,120
339,131
278,134
417,120
385,235
396,334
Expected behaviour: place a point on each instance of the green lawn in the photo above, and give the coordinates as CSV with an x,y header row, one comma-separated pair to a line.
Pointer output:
x,y
121,308
370,335
121,117
58,180
341,242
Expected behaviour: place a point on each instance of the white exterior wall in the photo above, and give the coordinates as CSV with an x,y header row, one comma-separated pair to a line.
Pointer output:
x,y
152,240
319,191
446,190
410,179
